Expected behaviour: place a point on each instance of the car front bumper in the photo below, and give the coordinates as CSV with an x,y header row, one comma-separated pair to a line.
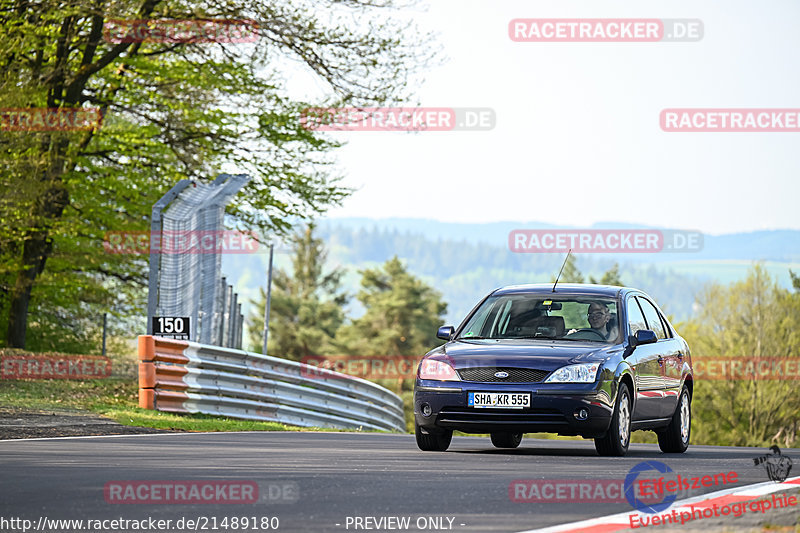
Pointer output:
x,y
555,408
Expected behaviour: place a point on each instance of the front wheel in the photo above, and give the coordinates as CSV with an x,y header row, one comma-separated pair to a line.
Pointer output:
x,y
432,442
618,437
675,438
506,439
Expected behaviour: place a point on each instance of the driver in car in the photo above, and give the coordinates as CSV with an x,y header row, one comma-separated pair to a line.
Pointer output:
x,y
599,316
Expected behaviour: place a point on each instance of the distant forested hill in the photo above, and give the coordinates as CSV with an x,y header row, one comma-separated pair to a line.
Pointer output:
x,y
464,271
466,261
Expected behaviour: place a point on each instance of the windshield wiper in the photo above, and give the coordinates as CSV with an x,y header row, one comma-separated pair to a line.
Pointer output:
x,y
475,338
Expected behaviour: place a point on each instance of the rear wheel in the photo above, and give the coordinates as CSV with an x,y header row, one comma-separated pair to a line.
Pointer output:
x,y
432,442
506,439
618,437
675,438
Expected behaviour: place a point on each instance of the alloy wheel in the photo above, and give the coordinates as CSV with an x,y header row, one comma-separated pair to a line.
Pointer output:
x,y
624,420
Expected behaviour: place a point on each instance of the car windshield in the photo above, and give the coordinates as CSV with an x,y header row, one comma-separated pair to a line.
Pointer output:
x,y
533,316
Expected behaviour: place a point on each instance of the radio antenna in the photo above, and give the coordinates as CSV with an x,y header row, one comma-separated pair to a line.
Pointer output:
x,y
562,269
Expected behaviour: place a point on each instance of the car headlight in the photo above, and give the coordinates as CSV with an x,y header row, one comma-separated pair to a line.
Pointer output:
x,y
438,370
583,373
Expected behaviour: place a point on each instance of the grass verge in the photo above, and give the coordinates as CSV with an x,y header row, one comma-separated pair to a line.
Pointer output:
x,y
117,399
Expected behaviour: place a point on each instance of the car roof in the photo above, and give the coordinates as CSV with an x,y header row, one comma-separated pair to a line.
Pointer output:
x,y
564,289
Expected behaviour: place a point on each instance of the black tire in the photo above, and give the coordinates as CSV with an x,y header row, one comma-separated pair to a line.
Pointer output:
x,y
675,438
618,437
506,439
432,442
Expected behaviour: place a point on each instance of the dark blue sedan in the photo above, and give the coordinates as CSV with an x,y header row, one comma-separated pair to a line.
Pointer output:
x,y
588,360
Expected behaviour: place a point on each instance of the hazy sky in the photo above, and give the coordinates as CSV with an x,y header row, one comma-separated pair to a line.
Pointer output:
x,y
577,139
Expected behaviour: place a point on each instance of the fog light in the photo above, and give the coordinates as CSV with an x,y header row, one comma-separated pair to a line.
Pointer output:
x,y
426,409
582,414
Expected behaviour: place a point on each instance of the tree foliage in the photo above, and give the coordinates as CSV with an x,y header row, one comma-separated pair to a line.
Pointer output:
x,y
609,277
402,314
306,308
172,110
401,318
749,319
572,274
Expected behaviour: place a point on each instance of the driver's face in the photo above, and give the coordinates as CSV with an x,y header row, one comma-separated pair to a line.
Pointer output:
x,y
598,315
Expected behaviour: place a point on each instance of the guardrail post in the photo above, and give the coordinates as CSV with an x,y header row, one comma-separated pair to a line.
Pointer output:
x,y
147,372
232,322
239,328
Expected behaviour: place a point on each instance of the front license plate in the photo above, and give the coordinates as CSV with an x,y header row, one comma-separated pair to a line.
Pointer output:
x,y
499,400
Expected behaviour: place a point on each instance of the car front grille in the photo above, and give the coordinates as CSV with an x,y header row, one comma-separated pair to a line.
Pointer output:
x,y
486,374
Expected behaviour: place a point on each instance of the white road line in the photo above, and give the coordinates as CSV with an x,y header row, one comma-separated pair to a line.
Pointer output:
x,y
126,436
198,433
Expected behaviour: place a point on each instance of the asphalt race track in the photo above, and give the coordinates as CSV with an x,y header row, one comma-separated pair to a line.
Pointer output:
x,y
332,476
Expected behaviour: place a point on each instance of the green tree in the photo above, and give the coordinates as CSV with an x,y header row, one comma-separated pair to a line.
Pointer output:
x,y
753,318
306,308
571,273
610,277
172,110
402,314
401,318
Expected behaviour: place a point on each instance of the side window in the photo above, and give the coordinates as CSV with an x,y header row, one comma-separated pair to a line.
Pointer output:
x,y
635,317
667,327
653,319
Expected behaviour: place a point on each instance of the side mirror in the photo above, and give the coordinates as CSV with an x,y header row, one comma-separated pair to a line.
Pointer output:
x,y
643,336
445,332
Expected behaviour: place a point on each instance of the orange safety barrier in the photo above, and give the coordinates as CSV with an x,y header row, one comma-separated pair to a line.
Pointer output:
x,y
164,350
161,373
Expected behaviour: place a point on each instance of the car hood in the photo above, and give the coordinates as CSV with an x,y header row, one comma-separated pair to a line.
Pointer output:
x,y
541,355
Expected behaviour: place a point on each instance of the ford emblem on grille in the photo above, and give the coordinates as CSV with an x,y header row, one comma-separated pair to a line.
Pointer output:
x,y
501,374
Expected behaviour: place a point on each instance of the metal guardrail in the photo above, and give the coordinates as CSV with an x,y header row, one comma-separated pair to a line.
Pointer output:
x,y
187,377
